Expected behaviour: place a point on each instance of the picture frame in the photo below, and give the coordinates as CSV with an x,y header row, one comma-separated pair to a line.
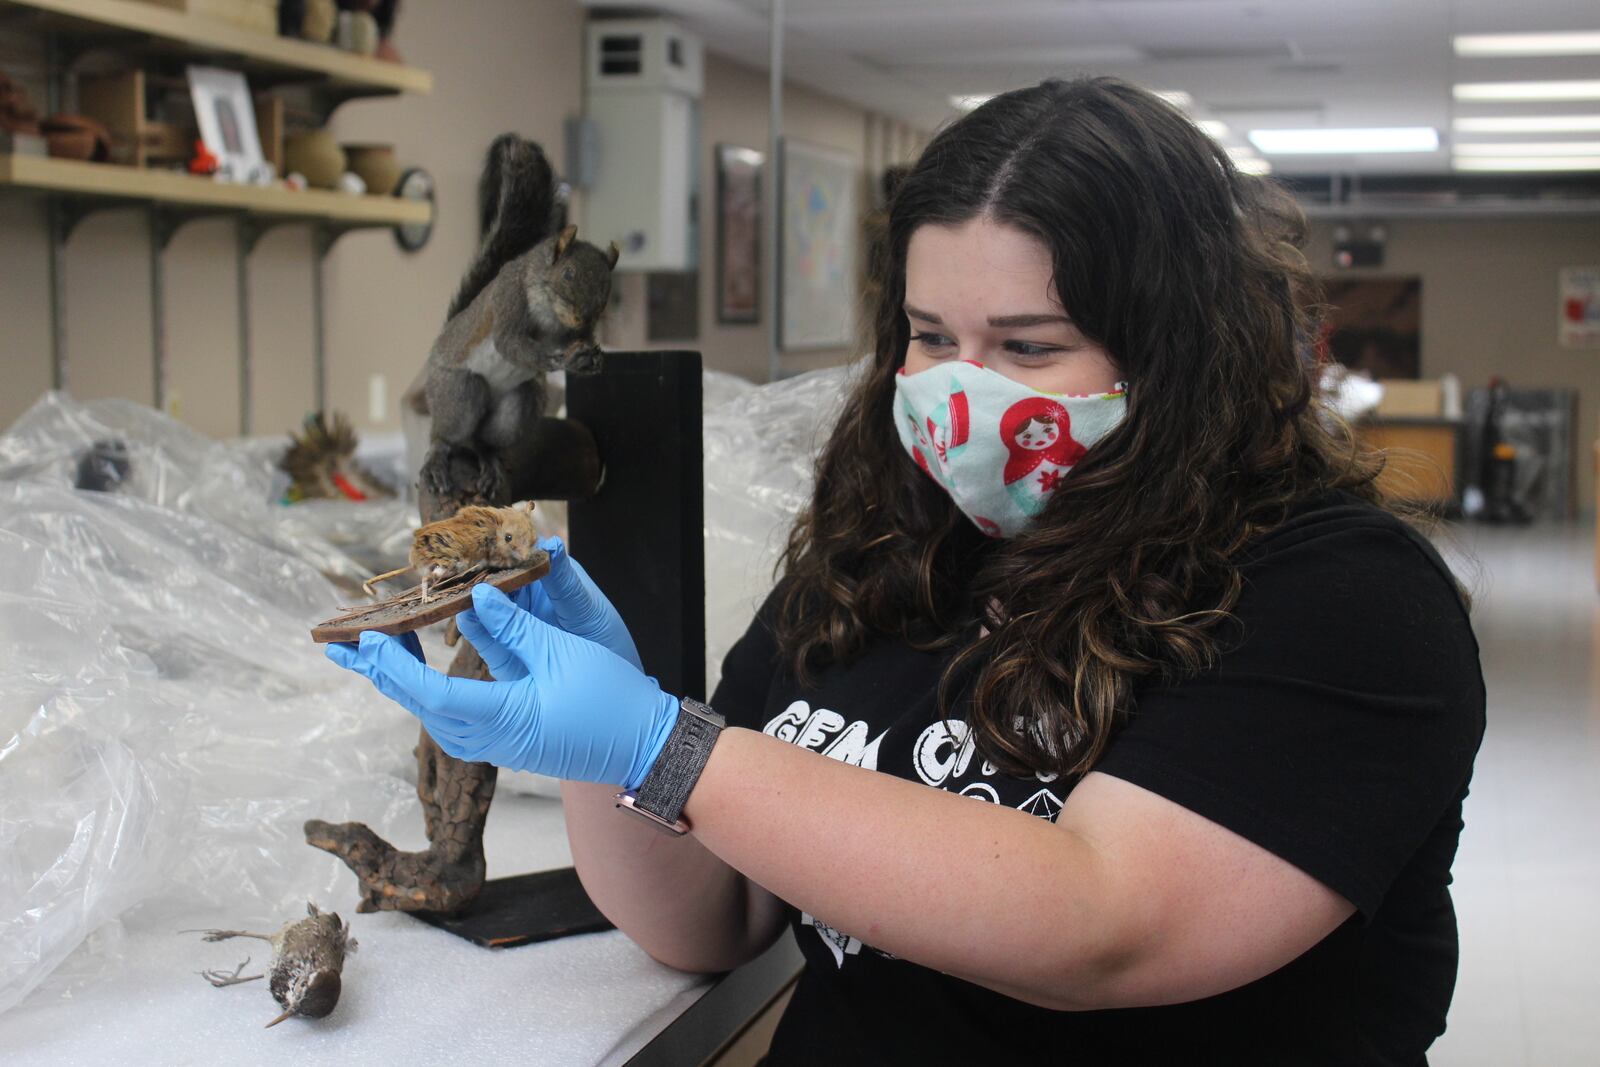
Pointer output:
x,y
226,115
819,225
739,176
1374,324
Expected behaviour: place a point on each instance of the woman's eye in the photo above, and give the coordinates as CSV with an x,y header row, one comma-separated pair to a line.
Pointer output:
x,y
1030,351
932,340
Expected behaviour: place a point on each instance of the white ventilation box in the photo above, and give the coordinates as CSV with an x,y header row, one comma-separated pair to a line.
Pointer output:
x,y
644,79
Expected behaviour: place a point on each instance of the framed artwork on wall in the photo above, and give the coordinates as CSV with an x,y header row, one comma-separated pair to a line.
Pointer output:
x,y
1578,321
739,173
1375,324
819,223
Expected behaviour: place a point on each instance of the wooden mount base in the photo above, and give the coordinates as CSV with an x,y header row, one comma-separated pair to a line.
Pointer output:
x,y
406,611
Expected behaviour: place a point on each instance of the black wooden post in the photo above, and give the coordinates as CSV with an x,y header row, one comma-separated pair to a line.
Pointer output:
x,y
642,536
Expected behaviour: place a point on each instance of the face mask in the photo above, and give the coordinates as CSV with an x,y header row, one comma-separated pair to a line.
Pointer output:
x,y
996,446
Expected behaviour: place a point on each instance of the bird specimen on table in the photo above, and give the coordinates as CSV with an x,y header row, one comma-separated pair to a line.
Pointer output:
x,y
307,958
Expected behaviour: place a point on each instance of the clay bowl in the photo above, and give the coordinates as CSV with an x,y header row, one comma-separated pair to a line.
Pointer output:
x,y
316,155
376,165
75,137
72,144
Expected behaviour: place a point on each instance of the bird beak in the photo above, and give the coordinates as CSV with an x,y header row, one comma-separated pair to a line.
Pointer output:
x,y
278,1020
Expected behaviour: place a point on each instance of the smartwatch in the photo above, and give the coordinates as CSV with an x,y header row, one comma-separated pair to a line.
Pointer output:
x,y
665,790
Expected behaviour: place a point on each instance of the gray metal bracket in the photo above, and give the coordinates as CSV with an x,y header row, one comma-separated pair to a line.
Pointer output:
x,y
64,215
165,222
323,237
251,230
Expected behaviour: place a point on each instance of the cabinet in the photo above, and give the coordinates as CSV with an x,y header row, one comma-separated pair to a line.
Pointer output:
x,y
148,34
1422,459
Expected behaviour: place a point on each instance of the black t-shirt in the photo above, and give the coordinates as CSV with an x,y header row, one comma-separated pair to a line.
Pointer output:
x,y
1337,730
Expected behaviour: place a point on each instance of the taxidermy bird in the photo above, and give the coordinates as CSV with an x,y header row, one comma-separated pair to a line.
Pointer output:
x,y
307,957
321,463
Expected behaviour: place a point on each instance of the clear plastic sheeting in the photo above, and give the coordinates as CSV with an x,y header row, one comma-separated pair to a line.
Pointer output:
x,y
761,446
166,725
135,451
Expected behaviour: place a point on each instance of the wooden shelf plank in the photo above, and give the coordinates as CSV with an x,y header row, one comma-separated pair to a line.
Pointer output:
x,y
107,181
213,40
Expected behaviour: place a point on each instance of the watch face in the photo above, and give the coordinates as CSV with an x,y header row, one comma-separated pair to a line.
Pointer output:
x,y
414,184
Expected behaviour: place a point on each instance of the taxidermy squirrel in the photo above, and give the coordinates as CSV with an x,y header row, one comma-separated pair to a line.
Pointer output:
x,y
528,304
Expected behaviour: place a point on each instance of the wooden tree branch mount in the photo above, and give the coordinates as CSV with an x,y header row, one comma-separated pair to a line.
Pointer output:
x,y
406,611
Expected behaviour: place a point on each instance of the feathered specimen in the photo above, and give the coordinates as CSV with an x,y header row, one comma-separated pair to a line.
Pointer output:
x,y
307,957
321,463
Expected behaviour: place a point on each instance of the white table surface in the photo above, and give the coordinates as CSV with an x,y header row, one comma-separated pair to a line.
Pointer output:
x,y
412,994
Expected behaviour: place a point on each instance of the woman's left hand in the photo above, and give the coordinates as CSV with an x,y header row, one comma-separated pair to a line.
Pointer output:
x,y
580,712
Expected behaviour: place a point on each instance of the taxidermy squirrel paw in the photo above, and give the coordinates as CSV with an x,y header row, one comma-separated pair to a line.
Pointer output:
x,y
582,357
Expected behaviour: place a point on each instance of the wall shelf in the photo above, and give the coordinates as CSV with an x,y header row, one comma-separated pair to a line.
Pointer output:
x,y
109,182
319,76
134,27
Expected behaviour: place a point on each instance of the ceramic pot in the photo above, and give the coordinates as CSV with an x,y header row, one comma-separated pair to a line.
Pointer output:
x,y
315,154
319,20
76,137
358,32
376,165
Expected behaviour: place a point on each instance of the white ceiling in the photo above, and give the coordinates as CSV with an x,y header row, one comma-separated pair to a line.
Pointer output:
x,y
1248,63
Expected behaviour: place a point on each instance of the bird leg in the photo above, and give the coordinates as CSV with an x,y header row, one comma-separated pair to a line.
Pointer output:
x,y
220,979
223,935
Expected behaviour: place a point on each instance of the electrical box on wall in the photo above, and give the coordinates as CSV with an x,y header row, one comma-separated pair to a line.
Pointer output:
x,y
644,79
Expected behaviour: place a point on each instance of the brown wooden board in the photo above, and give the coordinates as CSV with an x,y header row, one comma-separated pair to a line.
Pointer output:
x,y
406,612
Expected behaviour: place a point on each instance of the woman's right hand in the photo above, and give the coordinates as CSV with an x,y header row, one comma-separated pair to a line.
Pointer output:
x,y
568,599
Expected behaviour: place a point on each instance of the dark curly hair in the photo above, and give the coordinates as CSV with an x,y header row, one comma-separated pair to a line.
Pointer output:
x,y
1189,274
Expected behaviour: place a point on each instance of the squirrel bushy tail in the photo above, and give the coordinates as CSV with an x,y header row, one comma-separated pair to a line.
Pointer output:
x,y
516,202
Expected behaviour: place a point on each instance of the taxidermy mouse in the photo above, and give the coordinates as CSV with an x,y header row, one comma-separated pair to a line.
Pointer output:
x,y
474,538
483,383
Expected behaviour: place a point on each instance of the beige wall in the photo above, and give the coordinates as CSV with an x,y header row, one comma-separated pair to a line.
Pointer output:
x,y
1489,300
514,65
734,110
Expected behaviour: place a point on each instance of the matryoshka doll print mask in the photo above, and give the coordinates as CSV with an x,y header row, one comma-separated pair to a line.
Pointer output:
x,y
996,446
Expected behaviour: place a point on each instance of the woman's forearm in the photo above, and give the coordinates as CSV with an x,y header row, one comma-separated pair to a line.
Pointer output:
x,y
977,890
678,901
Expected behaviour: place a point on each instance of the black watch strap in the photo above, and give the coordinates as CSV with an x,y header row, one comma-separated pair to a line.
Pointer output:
x,y
665,790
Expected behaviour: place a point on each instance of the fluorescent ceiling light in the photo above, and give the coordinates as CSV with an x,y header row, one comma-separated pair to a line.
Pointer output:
x,y
1043,56
1176,97
1213,129
969,103
1528,44
1529,148
1527,163
1247,161
1340,142
1528,124
1573,90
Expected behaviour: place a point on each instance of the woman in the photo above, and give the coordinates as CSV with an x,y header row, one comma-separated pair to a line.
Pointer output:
x,y
1082,547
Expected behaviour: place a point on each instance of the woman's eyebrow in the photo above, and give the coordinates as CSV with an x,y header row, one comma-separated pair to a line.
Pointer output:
x,y
1027,320
1007,321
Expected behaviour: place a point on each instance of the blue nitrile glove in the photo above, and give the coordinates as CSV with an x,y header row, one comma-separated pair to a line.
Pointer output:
x,y
568,598
579,711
